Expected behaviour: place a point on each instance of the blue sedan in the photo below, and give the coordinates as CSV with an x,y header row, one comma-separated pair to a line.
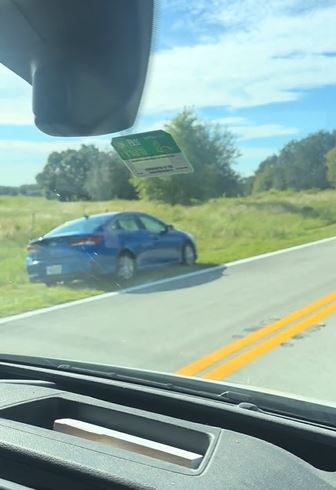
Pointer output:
x,y
110,244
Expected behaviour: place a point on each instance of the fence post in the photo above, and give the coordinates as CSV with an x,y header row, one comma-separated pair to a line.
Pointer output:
x,y
33,221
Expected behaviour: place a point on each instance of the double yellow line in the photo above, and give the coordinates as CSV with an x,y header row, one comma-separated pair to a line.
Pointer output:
x,y
241,352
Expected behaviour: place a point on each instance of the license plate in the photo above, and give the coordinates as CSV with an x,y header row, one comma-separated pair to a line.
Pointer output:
x,y
54,270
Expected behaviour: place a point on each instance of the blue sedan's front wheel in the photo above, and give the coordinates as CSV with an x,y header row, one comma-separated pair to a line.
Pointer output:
x,y
188,254
126,267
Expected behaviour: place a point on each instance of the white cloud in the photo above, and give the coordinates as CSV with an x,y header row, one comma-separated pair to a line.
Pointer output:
x,y
45,147
247,130
249,66
258,152
251,157
249,53
21,160
16,111
159,124
260,53
230,121
15,99
262,131
240,126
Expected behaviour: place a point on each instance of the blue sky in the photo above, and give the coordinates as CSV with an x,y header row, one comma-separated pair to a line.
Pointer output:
x,y
264,70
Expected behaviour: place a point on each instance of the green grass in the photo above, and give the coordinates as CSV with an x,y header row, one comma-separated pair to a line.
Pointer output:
x,y
224,229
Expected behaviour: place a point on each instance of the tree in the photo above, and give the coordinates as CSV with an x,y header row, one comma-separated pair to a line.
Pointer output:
x,y
246,185
65,173
300,164
211,151
264,176
303,161
331,167
84,174
109,178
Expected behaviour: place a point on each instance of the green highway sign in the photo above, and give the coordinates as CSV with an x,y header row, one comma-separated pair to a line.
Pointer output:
x,y
151,154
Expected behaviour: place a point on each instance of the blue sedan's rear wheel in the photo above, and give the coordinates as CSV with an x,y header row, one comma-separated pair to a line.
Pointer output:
x,y
126,267
188,254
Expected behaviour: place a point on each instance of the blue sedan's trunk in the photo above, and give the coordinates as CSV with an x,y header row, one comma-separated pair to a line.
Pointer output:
x,y
60,257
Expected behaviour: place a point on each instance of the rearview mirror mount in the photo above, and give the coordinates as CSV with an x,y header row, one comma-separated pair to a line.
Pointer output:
x,y
86,60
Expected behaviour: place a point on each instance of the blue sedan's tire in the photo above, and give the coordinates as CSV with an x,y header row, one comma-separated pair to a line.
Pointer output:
x,y
126,267
188,254
50,284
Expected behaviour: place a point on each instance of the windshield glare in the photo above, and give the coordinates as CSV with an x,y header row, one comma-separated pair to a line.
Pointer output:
x,y
237,155
82,225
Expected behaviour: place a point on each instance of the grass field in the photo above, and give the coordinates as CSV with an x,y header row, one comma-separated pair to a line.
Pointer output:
x,y
224,229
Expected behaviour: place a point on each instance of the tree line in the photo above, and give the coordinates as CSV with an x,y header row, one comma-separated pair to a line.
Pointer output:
x,y
85,174
93,174
308,163
22,190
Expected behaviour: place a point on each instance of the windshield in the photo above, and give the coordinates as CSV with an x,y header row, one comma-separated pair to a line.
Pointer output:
x,y
219,261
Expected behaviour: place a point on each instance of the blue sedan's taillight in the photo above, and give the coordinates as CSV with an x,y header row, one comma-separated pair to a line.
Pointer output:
x,y
86,241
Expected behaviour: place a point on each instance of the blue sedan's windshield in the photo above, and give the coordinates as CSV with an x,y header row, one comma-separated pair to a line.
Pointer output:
x,y
77,226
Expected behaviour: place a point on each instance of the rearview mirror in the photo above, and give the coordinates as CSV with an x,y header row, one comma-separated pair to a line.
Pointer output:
x,y
86,60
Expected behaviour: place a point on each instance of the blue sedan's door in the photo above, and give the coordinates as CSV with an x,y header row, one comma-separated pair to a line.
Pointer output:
x,y
131,236
165,246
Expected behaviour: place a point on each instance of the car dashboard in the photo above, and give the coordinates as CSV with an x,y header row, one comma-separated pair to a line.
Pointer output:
x,y
160,439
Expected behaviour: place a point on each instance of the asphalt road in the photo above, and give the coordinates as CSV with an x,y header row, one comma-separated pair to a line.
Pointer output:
x,y
216,316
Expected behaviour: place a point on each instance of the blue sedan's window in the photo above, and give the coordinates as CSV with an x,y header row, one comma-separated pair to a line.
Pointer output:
x,y
127,223
152,224
82,225
111,226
